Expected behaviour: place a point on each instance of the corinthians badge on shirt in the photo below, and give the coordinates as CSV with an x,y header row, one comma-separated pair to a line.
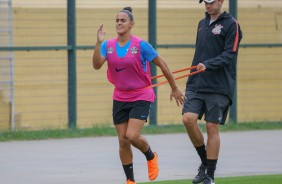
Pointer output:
x,y
110,50
134,50
217,29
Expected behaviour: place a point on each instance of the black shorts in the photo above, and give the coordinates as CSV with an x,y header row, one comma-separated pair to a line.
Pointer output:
x,y
122,111
215,106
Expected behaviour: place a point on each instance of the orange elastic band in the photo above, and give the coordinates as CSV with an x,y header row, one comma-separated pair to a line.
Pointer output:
x,y
180,77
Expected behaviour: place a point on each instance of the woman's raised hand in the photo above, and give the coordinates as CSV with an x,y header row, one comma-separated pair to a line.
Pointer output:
x,y
100,34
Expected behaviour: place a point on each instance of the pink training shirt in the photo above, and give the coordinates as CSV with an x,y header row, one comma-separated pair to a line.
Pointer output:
x,y
127,74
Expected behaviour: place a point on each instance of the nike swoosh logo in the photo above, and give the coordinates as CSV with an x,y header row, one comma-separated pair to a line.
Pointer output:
x,y
120,69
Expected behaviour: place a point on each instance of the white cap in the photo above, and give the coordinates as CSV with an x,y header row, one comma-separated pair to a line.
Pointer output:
x,y
208,1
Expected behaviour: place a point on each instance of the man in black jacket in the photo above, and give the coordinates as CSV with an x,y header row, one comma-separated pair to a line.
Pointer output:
x,y
210,93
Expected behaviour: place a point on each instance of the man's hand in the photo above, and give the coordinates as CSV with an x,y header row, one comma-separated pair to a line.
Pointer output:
x,y
201,66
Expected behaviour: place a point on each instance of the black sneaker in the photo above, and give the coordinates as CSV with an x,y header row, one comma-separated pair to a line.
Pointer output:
x,y
208,180
201,174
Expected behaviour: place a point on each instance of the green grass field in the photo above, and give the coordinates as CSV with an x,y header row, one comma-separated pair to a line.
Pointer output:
x,y
98,131
262,179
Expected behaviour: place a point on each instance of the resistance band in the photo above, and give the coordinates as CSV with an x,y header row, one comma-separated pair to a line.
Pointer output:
x,y
164,82
177,71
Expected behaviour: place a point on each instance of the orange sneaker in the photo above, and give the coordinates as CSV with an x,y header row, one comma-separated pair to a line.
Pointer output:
x,y
153,168
130,182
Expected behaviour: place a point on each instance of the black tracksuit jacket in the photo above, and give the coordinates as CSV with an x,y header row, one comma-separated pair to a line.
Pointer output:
x,y
217,48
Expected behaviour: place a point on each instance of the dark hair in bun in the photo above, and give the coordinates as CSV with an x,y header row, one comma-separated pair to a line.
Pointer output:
x,y
128,8
128,11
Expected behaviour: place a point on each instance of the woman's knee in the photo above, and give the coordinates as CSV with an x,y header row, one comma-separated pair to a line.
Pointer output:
x,y
132,136
124,142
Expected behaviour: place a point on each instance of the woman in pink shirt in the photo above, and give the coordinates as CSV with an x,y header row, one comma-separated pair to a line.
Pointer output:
x,y
128,59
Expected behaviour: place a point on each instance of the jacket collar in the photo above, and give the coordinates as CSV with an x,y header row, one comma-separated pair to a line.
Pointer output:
x,y
221,16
